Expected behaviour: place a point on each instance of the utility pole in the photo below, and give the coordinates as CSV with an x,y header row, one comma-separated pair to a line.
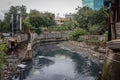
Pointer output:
x,y
12,21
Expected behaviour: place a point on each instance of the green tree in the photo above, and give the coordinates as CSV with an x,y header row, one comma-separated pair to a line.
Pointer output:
x,y
39,19
23,10
36,30
87,19
26,24
49,19
68,25
74,35
82,17
35,18
94,29
7,16
1,26
100,18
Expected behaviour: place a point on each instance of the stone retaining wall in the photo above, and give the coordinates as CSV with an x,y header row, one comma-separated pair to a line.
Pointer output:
x,y
94,37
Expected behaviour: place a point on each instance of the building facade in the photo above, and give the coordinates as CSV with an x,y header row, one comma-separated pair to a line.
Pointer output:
x,y
93,4
98,4
69,16
59,20
88,3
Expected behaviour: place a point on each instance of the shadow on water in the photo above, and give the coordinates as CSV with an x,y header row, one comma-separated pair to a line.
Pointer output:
x,y
45,62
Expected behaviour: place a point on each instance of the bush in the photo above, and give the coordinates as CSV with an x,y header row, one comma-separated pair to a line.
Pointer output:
x,y
36,30
3,49
74,35
67,25
94,29
59,28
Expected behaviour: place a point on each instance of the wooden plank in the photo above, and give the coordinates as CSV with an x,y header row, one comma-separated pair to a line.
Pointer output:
x,y
118,30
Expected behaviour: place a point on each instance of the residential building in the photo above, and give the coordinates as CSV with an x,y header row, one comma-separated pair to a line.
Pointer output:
x,y
69,16
59,20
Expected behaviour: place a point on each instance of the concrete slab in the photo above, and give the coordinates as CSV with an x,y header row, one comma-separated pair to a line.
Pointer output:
x,y
114,44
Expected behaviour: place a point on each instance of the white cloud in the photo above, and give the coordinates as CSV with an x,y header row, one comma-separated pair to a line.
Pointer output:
x,y
1,17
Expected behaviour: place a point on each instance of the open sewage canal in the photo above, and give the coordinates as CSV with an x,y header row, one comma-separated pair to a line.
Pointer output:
x,y
50,62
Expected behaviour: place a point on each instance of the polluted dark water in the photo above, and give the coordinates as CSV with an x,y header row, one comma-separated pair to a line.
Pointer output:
x,y
53,63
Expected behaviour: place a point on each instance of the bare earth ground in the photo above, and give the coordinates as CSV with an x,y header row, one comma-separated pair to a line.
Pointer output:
x,y
83,49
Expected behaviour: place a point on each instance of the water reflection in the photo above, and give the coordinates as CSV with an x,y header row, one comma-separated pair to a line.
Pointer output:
x,y
62,64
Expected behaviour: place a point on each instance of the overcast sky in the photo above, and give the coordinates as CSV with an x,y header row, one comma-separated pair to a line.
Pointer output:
x,y
55,6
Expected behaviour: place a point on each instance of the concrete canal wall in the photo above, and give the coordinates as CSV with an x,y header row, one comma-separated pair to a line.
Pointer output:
x,y
94,37
111,69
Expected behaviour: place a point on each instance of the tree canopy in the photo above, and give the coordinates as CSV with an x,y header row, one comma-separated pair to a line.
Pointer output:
x,y
90,20
86,18
5,25
39,19
35,19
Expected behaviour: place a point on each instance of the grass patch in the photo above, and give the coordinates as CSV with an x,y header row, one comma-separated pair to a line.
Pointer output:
x,y
3,47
